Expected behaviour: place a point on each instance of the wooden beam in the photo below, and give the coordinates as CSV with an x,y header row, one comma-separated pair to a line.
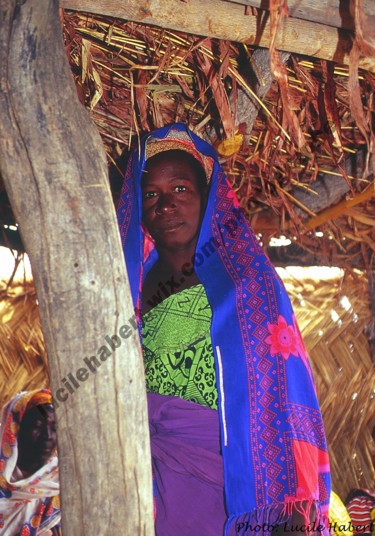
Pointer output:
x,y
336,13
55,171
215,18
259,78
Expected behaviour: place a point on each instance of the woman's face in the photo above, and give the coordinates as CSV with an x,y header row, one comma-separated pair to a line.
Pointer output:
x,y
173,200
36,438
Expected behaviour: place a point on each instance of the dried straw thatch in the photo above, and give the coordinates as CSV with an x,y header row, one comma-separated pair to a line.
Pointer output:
x,y
23,358
133,78
337,344
294,148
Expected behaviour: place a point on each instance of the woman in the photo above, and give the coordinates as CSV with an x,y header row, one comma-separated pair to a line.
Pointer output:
x,y
29,480
237,439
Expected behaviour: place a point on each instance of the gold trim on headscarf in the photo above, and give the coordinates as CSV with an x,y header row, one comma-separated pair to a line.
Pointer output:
x,y
179,140
30,399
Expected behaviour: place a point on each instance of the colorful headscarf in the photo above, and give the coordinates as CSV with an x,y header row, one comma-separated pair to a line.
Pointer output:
x,y
32,503
273,443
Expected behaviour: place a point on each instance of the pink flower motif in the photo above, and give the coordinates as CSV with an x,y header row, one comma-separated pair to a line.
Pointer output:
x,y
282,338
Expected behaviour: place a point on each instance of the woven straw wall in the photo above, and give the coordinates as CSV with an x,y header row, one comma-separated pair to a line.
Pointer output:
x,y
23,360
333,317
337,345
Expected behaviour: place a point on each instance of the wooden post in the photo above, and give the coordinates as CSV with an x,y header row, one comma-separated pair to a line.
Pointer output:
x,y
337,13
54,168
226,20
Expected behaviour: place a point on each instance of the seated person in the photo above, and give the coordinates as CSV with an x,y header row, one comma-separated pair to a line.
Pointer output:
x,y
361,507
339,518
29,478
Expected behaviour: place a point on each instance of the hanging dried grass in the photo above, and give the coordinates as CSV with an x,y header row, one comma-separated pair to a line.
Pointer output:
x,y
306,124
279,11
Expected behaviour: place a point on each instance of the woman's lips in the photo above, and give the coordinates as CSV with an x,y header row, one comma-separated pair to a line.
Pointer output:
x,y
46,446
169,227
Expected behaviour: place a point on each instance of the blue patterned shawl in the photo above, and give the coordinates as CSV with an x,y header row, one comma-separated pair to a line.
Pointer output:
x,y
273,443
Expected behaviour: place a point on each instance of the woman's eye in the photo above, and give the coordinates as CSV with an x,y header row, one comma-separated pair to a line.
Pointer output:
x,y
180,189
38,425
149,195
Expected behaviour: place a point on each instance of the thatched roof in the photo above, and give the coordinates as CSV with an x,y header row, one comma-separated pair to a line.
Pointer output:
x,y
296,148
333,316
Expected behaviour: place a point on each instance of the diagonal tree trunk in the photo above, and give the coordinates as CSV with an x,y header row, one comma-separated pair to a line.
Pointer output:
x,y
54,168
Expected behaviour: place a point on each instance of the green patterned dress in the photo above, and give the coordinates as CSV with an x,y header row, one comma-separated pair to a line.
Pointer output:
x,y
177,348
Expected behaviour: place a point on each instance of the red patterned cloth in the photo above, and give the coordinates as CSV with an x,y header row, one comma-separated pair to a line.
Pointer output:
x,y
361,507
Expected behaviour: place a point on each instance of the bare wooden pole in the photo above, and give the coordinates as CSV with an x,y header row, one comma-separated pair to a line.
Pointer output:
x,y
227,20
54,168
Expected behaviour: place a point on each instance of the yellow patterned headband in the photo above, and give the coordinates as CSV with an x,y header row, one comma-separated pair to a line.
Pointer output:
x,y
181,141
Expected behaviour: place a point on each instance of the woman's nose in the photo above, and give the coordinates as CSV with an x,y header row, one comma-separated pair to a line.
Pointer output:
x,y
48,432
166,203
